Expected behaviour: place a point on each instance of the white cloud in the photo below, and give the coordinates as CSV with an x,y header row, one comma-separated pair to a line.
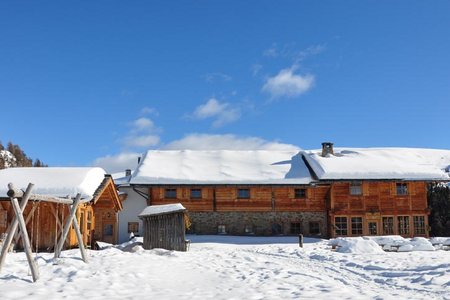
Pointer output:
x,y
271,52
143,124
118,163
143,141
149,111
142,134
288,84
256,68
222,112
217,76
197,141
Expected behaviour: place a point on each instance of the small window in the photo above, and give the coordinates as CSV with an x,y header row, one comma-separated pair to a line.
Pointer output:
x,y
221,229
402,189
388,225
196,193
355,188
300,193
133,227
108,230
243,193
89,220
81,223
248,229
314,228
419,224
170,194
403,225
341,225
296,227
357,226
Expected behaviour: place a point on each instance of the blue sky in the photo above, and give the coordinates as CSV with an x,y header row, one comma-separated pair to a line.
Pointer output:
x,y
95,82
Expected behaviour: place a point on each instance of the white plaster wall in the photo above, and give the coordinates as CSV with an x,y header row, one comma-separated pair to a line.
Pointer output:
x,y
132,207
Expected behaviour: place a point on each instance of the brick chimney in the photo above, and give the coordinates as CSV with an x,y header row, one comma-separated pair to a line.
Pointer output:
x,y
327,148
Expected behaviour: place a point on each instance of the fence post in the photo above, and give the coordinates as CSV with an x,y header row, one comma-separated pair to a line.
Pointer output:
x,y
300,240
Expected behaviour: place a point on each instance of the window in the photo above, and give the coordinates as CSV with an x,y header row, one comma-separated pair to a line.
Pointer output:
x,y
108,230
373,228
402,188
243,193
221,229
419,224
300,193
314,228
357,226
248,229
403,225
388,225
81,223
170,194
196,193
341,225
355,188
296,227
133,227
89,220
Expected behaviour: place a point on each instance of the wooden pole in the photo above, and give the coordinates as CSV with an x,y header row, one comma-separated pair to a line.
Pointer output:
x,y
25,239
67,226
13,227
80,240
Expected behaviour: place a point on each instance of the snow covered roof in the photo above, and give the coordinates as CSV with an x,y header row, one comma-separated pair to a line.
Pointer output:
x,y
221,167
58,182
380,163
161,209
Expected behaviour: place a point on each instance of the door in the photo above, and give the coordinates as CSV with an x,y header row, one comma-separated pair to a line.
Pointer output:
x,y
373,227
108,232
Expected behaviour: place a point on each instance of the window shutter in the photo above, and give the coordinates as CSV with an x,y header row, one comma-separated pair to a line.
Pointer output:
x,y
393,189
365,188
412,188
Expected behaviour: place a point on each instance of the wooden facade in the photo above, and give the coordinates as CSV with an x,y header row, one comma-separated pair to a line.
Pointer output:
x,y
261,198
97,219
353,208
378,208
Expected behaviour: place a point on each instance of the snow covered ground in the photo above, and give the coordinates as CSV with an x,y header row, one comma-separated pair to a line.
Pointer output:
x,y
224,267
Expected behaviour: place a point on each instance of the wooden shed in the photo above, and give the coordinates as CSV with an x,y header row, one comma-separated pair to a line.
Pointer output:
x,y
164,227
97,215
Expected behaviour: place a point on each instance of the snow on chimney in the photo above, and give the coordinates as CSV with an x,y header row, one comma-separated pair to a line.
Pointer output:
x,y
327,148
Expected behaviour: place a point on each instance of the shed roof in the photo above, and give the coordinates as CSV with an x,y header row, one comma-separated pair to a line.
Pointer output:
x,y
57,182
154,210
221,167
380,163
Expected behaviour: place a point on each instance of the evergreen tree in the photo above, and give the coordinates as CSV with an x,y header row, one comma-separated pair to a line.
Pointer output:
x,y
439,203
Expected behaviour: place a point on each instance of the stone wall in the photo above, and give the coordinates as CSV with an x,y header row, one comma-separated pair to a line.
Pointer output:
x,y
259,223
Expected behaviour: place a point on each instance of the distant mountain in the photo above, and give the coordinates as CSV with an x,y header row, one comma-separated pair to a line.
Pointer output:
x,y
14,156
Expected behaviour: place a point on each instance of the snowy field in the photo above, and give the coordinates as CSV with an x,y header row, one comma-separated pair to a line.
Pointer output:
x,y
223,267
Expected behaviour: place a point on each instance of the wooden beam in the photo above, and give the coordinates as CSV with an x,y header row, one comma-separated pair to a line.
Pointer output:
x,y
13,227
25,239
80,240
16,193
67,226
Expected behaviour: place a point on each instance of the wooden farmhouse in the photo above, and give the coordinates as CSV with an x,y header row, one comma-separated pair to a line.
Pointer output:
x,y
164,227
97,214
327,192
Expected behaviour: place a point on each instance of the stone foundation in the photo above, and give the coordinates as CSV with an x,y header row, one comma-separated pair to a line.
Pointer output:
x,y
259,223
